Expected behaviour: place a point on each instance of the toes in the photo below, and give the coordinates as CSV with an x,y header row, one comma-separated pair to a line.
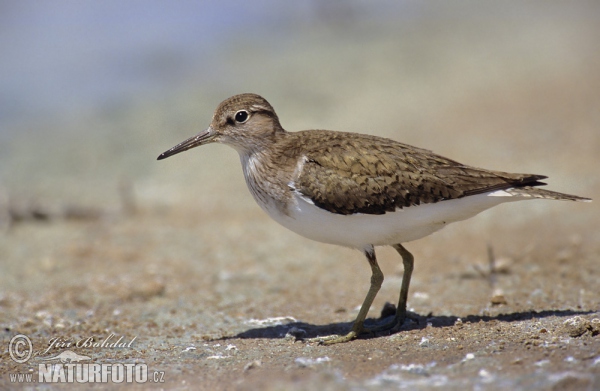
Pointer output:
x,y
341,339
333,339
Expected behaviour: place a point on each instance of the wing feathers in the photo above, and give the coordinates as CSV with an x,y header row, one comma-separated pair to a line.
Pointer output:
x,y
367,174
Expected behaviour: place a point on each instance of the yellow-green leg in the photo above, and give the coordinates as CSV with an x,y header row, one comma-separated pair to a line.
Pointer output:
x,y
408,262
357,327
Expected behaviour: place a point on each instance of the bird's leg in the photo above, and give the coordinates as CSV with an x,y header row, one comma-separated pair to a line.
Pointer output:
x,y
408,262
357,327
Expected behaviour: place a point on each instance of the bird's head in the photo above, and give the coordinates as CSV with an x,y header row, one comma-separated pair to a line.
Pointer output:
x,y
247,122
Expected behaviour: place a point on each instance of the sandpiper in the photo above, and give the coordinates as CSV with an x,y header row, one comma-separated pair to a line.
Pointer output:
x,y
356,190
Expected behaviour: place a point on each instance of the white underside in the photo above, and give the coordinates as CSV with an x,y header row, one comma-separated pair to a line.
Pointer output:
x,y
403,225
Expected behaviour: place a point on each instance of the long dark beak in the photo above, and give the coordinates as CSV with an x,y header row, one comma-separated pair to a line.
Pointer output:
x,y
201,138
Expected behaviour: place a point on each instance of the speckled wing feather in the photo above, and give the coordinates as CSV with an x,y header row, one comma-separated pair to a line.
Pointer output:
x,y
372,175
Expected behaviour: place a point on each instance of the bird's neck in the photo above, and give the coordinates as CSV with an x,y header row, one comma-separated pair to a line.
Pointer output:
x,y
266,180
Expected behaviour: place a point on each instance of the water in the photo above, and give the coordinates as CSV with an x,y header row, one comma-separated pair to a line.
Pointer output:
x,y
66,56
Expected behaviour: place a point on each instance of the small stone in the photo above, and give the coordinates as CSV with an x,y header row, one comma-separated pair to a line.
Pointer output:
x,y
503,264
577,326
252,365
423,296
486,376
498,298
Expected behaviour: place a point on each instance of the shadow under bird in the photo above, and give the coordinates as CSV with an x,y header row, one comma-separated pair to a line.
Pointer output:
x,y
356,190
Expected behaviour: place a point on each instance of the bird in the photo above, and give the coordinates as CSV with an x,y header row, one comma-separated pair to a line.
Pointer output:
x,y
356,190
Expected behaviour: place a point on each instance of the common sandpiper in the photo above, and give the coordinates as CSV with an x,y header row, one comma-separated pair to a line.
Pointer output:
x,y
356,190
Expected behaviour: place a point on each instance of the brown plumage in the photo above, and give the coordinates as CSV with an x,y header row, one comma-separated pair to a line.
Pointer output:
x,y
349,173
356,190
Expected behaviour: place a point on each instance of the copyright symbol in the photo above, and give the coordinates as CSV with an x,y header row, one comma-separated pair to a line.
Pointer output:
x,y
20,348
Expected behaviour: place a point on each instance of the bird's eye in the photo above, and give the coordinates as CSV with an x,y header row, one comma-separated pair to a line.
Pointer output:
x,y
241,116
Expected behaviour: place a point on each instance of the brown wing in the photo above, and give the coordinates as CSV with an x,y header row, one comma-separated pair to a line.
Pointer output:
x,y
352,173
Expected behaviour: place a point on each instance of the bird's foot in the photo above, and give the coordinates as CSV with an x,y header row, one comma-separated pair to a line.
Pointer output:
x,y
392,326
333,339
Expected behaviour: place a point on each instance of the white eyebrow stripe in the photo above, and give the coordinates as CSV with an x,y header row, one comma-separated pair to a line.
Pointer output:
x,y
259,107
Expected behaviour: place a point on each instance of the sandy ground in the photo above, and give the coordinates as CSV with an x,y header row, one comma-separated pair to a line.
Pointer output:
x,y
100,240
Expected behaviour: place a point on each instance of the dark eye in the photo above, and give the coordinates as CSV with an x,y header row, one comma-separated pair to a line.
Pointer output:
x,y
241,116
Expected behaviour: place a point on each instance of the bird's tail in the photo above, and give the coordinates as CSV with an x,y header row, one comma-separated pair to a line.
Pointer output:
x,y
536,192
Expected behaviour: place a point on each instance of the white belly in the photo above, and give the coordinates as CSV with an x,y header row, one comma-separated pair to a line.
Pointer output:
x,y
403,225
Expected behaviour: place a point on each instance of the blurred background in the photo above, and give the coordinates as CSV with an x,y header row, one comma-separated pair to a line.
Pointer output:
x,y
90,92
95,234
